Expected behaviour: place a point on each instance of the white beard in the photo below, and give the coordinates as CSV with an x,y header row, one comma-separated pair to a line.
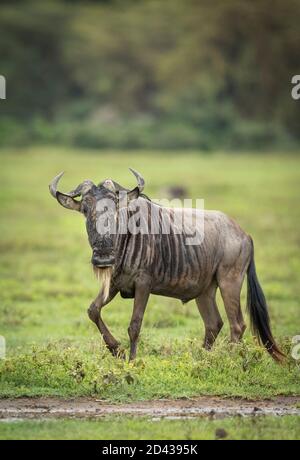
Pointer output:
x,y
104,277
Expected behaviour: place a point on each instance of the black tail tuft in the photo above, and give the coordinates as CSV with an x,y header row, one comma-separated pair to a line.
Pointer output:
x,y
258,311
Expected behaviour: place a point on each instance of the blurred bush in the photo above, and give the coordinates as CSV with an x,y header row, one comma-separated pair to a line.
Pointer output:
x,y
150,74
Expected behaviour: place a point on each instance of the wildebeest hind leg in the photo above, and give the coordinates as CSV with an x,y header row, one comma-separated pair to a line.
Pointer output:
x,y
230,287
94,313
209,312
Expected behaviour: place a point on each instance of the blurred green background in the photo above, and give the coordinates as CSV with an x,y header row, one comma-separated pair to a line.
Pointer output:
x,y
153,74
169,88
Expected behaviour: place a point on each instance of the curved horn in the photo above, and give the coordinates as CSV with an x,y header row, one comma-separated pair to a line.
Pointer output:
x,y
81,189
140,180
67,199
53,184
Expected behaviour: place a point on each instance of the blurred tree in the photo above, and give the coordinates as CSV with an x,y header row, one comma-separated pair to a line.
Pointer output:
x,y
151,73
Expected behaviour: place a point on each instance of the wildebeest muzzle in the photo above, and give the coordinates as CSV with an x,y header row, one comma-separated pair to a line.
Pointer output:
x,y
100,259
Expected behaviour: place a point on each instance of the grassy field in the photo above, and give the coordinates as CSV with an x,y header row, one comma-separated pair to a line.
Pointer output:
x,y
46,281
136,428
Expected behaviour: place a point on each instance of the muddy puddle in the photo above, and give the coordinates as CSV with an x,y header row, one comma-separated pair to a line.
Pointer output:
x,y
211,407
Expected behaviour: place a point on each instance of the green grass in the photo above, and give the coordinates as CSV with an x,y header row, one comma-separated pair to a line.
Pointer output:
x,y
141,428
46,282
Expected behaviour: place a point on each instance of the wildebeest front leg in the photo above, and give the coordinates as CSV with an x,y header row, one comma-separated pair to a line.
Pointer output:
x,y
94,313
142,292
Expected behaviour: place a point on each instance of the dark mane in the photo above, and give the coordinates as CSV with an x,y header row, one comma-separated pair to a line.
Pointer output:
x,y
142,195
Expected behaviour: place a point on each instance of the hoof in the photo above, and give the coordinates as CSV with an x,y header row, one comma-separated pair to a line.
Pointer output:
x,y
118,353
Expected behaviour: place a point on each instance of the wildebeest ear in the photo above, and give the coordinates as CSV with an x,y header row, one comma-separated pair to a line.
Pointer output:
x,y
67,201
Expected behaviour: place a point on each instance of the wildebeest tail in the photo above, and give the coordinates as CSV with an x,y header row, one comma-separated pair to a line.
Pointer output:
x,y
258,311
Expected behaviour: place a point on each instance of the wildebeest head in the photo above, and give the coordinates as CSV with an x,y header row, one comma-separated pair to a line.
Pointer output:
x,y
99,204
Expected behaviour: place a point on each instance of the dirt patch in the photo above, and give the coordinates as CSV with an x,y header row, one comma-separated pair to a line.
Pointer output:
x,y
204,406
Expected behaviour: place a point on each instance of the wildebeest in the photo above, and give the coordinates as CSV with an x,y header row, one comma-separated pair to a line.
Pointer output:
x,y
138,264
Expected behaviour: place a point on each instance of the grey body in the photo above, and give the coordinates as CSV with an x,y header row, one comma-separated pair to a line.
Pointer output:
x,y
174,268
137,265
